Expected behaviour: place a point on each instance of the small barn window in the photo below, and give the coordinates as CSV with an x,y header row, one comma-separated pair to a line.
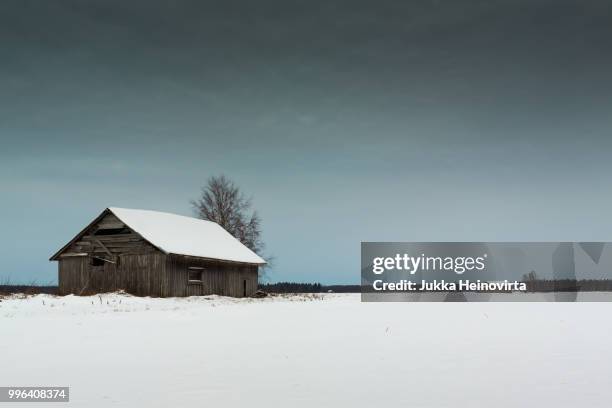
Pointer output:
x,y
99,261
95,261
194,274
112,231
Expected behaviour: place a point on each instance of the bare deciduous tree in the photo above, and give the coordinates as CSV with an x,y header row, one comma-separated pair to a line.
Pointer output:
x,y
222,201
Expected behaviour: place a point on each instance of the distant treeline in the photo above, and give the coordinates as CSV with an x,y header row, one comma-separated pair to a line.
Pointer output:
x,y
569,285
27,289
538,285
294,287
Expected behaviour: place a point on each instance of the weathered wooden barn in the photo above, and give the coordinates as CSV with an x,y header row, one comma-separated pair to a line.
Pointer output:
x,y
150,253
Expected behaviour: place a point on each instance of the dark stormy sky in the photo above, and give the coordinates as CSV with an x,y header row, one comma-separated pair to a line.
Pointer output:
x,y
346,121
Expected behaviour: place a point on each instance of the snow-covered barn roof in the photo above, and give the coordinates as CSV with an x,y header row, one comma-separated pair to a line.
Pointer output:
x,y
180,235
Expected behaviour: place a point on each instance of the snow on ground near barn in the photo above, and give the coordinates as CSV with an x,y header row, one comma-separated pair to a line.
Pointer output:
x,y
300,351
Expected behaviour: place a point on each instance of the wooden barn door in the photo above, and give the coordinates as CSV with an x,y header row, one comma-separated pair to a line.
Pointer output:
x,y
109,277
101,276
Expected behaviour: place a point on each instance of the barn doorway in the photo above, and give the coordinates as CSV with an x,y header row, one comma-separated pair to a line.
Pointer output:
x,y
244,287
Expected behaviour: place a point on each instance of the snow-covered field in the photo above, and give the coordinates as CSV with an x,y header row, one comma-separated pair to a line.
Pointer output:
x,y
300,351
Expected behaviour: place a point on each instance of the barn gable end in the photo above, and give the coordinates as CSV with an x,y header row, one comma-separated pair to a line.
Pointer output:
x,y
106,237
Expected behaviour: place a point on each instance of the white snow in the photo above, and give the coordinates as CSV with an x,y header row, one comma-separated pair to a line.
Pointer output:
x,y
327,350
177,234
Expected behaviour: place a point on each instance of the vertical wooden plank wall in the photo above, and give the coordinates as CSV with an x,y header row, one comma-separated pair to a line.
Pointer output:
x,y
73,274
155,274
142,275
220,278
